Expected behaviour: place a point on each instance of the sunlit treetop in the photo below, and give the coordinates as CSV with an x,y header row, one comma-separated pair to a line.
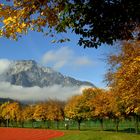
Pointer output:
x,y
27,15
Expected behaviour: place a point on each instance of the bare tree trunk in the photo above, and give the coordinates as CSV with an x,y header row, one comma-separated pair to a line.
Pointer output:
x,y
44,124
101,122
7,122
22,124
117,124
79,124
136,123
48,123
32,123
57,124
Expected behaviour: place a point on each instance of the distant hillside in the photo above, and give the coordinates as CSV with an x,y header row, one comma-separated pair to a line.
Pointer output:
x,y
3,100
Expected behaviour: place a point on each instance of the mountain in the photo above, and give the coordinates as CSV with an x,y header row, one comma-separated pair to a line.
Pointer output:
x,y
28,73
3,100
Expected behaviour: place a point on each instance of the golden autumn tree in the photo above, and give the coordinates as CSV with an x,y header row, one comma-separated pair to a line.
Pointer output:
x,y
104,106
55,111
87,95
97,106
113,110
28,112
78,107
14,111
40,112
124,78
10,111
5,113
1,116
75,109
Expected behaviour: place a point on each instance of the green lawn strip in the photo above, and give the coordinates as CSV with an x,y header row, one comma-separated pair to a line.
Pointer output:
x,y
97,135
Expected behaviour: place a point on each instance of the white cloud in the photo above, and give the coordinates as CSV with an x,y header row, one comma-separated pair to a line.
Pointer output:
x,y
83,61
36,93
65,56
58,57
4,65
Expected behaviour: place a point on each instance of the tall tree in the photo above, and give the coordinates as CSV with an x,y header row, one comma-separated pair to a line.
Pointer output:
x,y
55,111
10,111
124,78
13,110
75,109
28,112
97,105
40,112
5,114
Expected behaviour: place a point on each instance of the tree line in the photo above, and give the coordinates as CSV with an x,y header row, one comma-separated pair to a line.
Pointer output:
x,y
19,113
92,104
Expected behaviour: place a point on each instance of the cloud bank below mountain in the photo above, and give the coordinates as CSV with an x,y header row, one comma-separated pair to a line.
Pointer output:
x,y
36,93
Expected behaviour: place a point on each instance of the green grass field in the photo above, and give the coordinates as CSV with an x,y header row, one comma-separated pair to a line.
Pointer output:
x,y
97,135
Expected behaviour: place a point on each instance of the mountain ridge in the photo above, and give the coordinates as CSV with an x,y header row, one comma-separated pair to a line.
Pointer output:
x,y
29,73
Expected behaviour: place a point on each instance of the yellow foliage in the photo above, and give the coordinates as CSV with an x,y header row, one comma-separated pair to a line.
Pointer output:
x,y
77,108
125,80
29,14
40,112
10,111
104,105
54,110
28,112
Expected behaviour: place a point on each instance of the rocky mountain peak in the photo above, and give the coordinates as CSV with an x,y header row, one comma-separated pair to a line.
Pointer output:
x,y
29,73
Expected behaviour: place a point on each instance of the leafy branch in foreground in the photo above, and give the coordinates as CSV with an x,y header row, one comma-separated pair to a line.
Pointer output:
x,y
96,21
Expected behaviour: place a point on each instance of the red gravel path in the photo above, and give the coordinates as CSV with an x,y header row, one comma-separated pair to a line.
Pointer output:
x,y
28,134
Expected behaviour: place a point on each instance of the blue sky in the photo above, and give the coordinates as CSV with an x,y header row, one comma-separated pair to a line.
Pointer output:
x,y
67,58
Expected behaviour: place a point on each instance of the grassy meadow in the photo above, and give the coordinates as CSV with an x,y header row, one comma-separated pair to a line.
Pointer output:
x,y
97,135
